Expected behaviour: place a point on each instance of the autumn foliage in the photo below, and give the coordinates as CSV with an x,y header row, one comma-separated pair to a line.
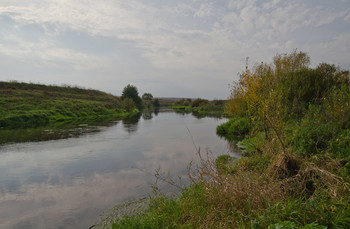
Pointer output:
x,y
272,94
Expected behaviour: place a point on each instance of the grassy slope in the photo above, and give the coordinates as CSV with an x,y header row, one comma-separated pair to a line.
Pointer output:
x,y
28,105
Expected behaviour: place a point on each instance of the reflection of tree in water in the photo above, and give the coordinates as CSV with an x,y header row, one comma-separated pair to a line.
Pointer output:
x,y
198,115
233,147
211,115
54,131
130,123
147,114
231,143
156,111
182,112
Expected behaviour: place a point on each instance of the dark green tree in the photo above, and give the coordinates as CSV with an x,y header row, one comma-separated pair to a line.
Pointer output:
x,y
131,92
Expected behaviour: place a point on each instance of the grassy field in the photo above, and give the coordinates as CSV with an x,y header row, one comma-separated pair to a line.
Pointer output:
x,y
32,105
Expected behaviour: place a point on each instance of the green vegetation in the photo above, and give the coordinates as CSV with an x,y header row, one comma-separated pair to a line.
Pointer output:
x,y
200,106
235,128
156,103
294,121
130,92
148,102
32,105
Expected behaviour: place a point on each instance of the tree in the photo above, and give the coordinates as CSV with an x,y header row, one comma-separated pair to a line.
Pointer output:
x,y
128,104
131,92
290,62
147,96
147,100
199,102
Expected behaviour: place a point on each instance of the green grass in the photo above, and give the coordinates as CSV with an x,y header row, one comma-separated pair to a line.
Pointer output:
x,y
170,212
33,105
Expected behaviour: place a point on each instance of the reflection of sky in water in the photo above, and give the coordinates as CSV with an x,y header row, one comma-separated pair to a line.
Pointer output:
x,y
69,182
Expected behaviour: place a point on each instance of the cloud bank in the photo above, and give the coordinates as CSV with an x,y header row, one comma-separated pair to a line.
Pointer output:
x,y
168,48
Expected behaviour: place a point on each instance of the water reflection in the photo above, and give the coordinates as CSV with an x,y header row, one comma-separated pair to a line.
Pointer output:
x,y
130,123
52,132
233,147
147,114
199,115
182,112
64,130
156,111
68,183
212,115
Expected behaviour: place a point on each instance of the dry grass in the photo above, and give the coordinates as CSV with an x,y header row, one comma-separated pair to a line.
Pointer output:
x,y
289,189
236,199
231,196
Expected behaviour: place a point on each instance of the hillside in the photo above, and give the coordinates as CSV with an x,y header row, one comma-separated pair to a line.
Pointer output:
x,y
31,105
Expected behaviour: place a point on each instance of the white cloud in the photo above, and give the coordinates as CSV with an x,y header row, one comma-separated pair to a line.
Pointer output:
x,y
336,51
204,10
239,4
181,36
282,17
47,52
96,17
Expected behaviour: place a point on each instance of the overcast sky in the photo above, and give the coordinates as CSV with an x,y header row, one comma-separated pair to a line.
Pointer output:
x,y
170,48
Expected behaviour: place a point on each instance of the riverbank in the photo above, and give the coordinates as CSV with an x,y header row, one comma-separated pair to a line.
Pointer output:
x,y
130,208
293,123
24,105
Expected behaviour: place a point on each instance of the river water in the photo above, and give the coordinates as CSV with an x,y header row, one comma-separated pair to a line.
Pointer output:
x,y
75,174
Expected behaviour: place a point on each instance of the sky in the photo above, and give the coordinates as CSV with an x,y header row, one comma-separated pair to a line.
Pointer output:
x,y
169,48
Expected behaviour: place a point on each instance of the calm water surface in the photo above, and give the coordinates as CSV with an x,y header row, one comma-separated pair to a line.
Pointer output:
x,y
70,182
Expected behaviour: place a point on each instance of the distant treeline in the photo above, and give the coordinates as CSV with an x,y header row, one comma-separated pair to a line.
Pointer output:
x,y
200,106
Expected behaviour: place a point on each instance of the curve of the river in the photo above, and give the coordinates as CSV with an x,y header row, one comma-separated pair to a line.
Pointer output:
x,y
69,182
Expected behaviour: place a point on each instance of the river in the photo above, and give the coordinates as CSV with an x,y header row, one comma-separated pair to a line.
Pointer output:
x,y
67,177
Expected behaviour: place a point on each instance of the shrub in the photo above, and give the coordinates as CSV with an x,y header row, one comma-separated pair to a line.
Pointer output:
x,y
199,102
312,139
226,163
340,144
337,105
314,133
236,127
128,104
182,102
